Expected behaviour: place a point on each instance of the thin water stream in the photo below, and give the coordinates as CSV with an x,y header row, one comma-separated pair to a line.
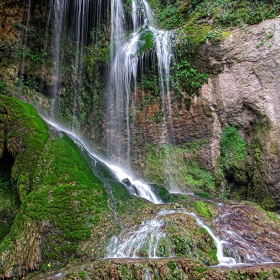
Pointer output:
x,y
130,242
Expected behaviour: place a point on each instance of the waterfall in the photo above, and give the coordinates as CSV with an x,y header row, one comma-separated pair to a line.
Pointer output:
x,y
58,10
126,56
139,241
81,25
26,18
134,186
132,243
70,23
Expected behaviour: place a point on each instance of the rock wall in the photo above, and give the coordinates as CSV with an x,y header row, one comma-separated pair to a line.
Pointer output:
x,y
246,95
242,92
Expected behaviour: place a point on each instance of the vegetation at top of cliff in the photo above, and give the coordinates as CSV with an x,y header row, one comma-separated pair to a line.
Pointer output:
x,y
220,12
206,19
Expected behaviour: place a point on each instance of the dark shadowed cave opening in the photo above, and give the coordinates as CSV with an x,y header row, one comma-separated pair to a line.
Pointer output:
x,y
9,195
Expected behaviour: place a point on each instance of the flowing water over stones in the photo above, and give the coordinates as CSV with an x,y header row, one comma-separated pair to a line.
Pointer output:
x,y
249,238
233,247
140,241
144,240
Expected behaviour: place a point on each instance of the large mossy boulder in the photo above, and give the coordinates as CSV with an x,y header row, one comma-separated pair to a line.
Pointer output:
x,y
55,199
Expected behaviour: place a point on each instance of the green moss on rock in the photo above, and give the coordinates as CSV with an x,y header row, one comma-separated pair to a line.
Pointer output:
x,y
25,135
170,166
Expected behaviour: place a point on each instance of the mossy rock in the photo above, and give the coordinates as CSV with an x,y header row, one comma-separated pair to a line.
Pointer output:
x,y
25,135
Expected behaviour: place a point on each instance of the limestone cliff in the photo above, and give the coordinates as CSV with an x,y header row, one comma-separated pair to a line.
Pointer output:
x,y
246,95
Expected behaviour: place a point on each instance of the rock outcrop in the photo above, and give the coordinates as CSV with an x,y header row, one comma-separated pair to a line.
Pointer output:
x,y
246,95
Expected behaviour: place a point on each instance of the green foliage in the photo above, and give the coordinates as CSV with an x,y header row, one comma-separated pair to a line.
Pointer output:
x,y
193,243
145,40
233,147
193,34
168,165
170,15
3,87
261,43
98,50
206,19
232,13
182,246
202,194
68,196
214,35
202,209
9,204
174,271
188,79
161,192
83,275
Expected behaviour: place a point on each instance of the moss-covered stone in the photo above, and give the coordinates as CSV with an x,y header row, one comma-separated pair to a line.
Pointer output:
x,y
25,135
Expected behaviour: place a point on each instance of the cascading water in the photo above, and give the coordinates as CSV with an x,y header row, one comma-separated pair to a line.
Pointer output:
x,y
126,56
26,18
134,186
133,242
80,24
140,241
58,10
70,23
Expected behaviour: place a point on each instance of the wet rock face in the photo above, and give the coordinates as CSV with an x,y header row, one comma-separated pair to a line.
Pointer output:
x,y
188,125
249,235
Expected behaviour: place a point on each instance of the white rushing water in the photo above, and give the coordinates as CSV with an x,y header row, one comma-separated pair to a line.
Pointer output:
x,y
136,187
223,260
139,241
58,10
126,56
130,242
